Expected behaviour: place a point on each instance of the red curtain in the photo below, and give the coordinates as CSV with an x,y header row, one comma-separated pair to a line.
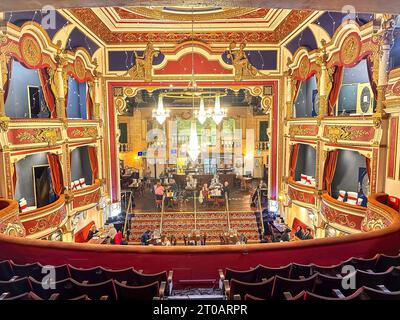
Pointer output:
x,y
47,93
293,159
89,103
337,84
56,173
368,166
14,176
374,86
330,168
93,162
6,85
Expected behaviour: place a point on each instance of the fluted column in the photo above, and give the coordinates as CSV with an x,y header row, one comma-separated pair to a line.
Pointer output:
x,y
288,95
382,75
60,94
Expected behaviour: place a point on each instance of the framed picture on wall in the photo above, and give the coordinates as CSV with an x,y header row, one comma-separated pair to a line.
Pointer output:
x,y
33,101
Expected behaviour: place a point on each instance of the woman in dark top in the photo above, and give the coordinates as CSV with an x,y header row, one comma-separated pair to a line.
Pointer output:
x,y
91,233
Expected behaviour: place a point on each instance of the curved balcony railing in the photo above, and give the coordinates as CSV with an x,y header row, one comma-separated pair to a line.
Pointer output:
x,y
302,194
86,198
45,220
203,261
342,216
10,224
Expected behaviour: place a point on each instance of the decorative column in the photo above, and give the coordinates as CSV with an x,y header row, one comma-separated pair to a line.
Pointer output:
x,y
96,90
383,72
59,84
4,58
324,82
289,102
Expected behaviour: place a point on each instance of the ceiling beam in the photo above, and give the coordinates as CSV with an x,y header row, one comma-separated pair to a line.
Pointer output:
x,y
373,6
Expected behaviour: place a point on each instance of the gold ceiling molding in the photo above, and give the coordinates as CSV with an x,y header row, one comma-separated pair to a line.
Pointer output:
x,y
159,14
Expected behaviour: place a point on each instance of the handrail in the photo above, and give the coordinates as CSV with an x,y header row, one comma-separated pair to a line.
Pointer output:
x,y
93,186
353,207
28,214
162,212
304,187
227,210
261,213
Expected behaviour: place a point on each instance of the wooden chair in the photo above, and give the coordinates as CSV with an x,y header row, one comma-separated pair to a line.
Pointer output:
x,y
90,275
15,287
384,262
6,271
97,291
284,287
237,290
267,273
357,295
299,271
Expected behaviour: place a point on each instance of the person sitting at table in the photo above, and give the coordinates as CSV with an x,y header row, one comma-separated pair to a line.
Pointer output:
x,y
307,235
92,232
118,238
145,237
112,232
159,192
299,232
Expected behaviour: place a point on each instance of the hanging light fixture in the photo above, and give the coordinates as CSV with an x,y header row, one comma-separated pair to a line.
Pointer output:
x,y
193,148
218,113
160,113
201,115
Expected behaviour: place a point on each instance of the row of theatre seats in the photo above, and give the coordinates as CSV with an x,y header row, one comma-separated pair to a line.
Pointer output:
x,y
65,282
359,279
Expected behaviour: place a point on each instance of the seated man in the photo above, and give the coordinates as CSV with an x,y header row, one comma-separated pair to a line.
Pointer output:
x,y
144,239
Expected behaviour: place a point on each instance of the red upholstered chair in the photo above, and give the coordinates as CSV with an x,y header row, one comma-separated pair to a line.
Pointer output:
x,y
23,296
357,295
65,288
147,292
325,285
244,276
389,280
91,275
6,271
235,289
264,272
291,286
127,274
300,270
81,235
15,287
97,291
249,297
30,269
385,262
361,263
332,271
143,279
373,294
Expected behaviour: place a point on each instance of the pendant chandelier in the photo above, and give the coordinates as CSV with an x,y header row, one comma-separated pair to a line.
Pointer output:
x,y
193,148
218,113
160,114
202,114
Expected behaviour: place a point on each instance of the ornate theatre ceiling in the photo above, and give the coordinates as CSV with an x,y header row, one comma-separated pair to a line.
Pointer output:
x,y
116,25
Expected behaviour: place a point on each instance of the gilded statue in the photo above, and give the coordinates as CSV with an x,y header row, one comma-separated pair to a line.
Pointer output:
x,y
240,62
144,64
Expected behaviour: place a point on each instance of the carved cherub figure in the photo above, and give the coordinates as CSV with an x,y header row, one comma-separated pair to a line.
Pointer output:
x,y
240,62
144,64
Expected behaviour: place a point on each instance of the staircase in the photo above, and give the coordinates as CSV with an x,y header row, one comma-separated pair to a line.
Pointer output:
x,y
213,224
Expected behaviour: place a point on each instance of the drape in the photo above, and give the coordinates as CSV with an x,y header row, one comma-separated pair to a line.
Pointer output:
x,y
330,168
89,103
14,176
93,162
374,86
6,84
56,173
337,84
47,93
368,167
293,159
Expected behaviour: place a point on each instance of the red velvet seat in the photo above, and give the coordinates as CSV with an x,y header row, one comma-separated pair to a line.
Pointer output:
x,y
385,262
324,286
292,286
244,276
65,288
30,269
96,291
373,294
357,295
264,272
6,271
260,290
332,271
147,292
24,296
15,287
362,264
300,270
90,275
249,297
